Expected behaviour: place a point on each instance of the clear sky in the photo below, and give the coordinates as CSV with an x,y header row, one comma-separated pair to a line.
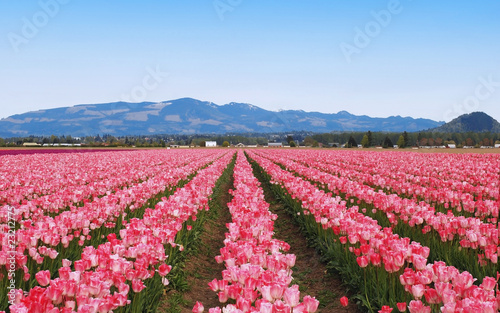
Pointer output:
x,y
420,58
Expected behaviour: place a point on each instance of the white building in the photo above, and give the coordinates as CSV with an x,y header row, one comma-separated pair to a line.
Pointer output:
x,y
275,144
210,143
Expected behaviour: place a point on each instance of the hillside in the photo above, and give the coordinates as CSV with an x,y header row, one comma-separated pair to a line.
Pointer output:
x,y
473,122
189,116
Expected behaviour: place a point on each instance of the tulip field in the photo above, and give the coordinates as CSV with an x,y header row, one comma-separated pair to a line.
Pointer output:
x,y
109,231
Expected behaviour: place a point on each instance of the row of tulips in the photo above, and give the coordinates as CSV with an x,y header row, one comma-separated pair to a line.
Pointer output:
x,y
469,173
86,177
441,192
62,236
470,232
258,273
70,178
126,273
378,260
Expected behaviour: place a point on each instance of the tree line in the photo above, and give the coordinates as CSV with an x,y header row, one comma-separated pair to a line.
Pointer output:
x,y
404,139
303,138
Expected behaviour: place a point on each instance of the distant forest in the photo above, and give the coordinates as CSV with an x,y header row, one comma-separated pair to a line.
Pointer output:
x,y
303,138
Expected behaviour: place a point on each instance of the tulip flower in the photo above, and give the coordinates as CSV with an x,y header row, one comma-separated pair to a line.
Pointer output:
x,y
401,306
292,296
385,309
344,301
164,269
43,278
198,307
416,306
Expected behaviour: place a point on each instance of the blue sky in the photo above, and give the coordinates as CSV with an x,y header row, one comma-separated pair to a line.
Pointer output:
x,y
431,59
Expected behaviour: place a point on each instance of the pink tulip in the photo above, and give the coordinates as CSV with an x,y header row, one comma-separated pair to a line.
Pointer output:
x,y
223,297
419,262
137,285
266,293
66,263
311,304
280,307
276,291
449,296
362,261
243,304
198,308
43,278
431,296
417,291
214,285
292,296
266,307
489,283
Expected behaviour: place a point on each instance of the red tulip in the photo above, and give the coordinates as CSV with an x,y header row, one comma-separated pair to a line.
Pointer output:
x,y
164,269
401,306
385,309
344,301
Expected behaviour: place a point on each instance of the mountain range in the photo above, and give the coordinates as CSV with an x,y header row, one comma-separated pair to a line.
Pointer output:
x,y
189,116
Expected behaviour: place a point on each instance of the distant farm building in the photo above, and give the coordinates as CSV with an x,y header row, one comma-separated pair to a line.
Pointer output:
x,y
275,144
31,144
210,143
